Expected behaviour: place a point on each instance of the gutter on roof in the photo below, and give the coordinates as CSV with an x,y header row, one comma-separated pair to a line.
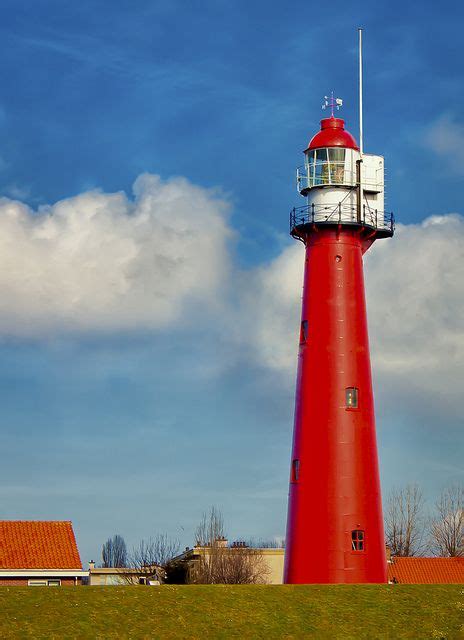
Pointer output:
x,y
42,573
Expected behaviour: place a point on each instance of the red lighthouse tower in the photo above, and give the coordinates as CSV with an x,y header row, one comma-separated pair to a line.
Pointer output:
x,y
334,527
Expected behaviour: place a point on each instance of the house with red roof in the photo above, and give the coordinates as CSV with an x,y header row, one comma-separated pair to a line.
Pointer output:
x,y
39,553
426,570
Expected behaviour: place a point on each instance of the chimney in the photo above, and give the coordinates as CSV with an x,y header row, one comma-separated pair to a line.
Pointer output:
x,y
91,565
389,554
221,542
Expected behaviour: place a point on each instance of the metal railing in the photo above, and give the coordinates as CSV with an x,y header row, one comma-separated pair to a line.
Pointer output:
x,y
346,214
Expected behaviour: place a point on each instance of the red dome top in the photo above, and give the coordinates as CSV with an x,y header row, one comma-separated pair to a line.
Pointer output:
x,y
333,134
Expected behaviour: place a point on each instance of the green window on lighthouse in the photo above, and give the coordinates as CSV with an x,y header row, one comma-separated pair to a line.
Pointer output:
x,y
351,398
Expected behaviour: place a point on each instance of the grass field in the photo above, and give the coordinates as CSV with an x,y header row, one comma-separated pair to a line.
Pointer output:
x,y
345,612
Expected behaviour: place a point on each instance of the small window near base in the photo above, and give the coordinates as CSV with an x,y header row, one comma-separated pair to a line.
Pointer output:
x,y
357,540
54,583
295,470
304,332
351,398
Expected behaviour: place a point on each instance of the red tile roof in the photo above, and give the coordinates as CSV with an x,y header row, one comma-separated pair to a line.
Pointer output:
x,y
38,545
426,570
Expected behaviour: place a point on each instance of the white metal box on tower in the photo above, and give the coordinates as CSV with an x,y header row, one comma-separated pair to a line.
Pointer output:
x,y
373,182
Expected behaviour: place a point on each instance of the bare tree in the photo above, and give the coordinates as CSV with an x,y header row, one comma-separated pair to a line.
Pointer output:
x,y
405,522
210,529
244,565
114,552
210,542
217,563
158,550
447,528
237,564
152,558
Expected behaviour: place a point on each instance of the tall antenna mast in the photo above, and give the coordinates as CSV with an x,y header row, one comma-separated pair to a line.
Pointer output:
x,y
360,94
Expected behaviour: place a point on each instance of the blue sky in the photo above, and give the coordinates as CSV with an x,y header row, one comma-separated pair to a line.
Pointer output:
x,y
148,348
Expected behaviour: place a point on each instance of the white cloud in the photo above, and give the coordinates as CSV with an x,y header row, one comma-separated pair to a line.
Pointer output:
x,y
415,289
446,137
102,261
270,309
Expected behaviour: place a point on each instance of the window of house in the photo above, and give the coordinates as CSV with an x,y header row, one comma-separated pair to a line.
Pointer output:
x,y
351,398
357,540
295,470
44,583
304,331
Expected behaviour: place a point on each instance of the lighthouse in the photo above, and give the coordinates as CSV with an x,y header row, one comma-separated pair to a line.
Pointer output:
x,y
334,526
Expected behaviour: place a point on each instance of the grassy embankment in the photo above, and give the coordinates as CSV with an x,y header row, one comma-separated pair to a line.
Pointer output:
x,y
345,612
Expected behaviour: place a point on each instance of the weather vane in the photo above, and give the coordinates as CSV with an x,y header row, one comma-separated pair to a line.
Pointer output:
x,y
333,103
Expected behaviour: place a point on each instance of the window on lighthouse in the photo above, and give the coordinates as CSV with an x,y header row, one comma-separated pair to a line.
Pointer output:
x,y
295,470
357,540
321,173
303,331
310,161
326,166
337,165
351,398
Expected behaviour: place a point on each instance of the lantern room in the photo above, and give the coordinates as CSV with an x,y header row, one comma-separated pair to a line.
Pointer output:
x,y
327,166
340,184
330,158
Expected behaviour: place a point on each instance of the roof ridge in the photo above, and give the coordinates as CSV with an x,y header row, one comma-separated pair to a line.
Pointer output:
x,y
47,521
427,558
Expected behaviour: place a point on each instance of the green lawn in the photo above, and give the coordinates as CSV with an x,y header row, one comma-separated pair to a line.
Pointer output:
x,y
345,612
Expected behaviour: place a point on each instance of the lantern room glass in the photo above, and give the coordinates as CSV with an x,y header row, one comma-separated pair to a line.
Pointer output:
x,y
337,165
325,166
